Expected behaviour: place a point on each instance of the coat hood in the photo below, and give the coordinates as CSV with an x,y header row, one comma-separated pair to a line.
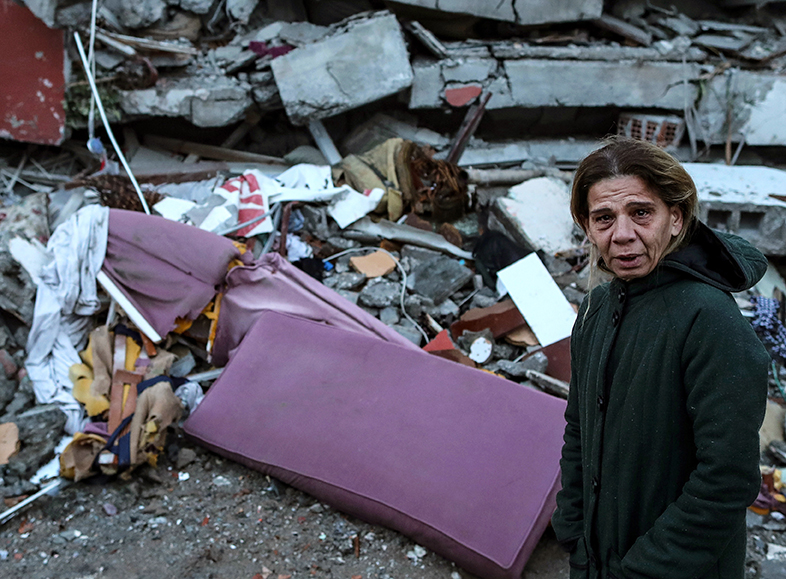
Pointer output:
x,y
722,260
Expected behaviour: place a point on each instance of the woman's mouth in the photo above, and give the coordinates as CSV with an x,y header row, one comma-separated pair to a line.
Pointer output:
x,y
630,260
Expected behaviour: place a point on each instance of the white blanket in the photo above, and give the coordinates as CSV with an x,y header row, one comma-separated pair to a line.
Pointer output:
x,y
65,300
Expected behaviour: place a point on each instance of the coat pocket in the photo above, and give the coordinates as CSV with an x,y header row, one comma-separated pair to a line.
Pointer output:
x,y
579,560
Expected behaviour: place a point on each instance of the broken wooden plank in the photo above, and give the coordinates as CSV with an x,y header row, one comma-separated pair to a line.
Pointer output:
x,y
499,177
209,151
324,142
722,42
548,384
427,38
731,27
624,29
146,43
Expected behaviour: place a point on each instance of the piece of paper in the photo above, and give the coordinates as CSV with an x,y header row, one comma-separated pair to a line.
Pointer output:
x,y
350,205
539,299
173,209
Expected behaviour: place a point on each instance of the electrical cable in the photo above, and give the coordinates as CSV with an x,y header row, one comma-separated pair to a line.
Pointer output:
x,y
403,281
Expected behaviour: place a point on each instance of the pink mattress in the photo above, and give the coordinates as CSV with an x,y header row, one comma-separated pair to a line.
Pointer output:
x,y
463,462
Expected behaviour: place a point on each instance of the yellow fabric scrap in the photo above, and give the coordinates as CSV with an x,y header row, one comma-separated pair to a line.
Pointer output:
x,y
76,460
182,325
92,379
133,350
82,377
156,408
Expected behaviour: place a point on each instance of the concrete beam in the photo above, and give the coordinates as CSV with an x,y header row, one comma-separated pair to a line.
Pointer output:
x,y
327,77
518,11
547,83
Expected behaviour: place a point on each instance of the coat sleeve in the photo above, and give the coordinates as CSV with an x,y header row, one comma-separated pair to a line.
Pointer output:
x,y
724,369
568,520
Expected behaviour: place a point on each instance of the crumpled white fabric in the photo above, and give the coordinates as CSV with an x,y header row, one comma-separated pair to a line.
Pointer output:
x,y
66,298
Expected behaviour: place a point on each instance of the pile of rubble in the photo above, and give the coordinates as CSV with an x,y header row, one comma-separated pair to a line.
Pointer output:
x,y
412,230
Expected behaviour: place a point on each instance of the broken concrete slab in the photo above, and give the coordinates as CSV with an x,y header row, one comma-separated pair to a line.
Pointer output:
x,y
536,215
137,14
325,78
241,9
746,200
438,278
345,281
40,429
518,11
756,102
380,295
537,362
27,220
212,101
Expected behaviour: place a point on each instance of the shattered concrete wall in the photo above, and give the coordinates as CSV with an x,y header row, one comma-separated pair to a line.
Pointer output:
x,y
754,103
204,101
518,11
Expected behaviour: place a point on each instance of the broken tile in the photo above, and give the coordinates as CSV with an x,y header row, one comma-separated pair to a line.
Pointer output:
x,y
375,264
458,97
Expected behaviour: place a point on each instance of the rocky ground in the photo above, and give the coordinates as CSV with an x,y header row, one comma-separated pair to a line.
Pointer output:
x,y
200,516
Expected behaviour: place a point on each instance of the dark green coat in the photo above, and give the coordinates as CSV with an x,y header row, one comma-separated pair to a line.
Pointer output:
x,y
668,391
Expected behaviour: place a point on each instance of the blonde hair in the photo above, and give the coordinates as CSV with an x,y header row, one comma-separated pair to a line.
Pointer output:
x,y
662,174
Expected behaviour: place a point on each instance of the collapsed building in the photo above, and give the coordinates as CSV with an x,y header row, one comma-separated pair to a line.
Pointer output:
x,y
414,157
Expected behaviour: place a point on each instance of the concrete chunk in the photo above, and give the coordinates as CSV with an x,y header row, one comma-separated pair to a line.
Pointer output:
x,y
518,11
326,78
536,214
439,278
204,101
748,201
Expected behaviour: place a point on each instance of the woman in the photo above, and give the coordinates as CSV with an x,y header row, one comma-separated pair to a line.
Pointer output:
x,y
669,381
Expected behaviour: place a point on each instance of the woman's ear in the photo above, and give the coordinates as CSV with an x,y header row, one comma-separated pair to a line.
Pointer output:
x,y
676,220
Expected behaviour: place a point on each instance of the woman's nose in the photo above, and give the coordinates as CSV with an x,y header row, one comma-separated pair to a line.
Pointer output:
x,y
623,231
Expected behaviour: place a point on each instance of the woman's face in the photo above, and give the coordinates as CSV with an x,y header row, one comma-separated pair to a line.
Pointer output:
x,y
630,225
